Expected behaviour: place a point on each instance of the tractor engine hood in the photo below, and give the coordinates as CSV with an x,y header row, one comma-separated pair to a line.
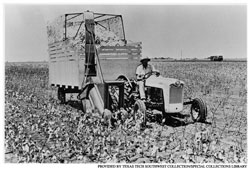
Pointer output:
x,y
161,82
172,92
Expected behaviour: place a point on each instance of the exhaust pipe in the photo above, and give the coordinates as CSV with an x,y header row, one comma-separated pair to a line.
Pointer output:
x,y
90,65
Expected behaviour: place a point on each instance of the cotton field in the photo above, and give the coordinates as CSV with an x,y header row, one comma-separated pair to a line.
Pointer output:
x,y
38,129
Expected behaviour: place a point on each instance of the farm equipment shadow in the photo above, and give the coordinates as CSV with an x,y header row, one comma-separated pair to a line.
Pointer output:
x,y
176,120
75,104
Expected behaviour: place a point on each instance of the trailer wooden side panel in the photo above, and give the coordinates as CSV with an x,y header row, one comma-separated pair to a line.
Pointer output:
x,y
119,60
66,66
64,73
112,68
63,66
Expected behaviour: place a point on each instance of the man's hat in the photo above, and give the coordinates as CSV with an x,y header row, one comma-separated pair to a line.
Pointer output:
x,y
144,58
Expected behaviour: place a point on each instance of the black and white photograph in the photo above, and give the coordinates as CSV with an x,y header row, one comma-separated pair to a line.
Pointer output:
x,y
128,86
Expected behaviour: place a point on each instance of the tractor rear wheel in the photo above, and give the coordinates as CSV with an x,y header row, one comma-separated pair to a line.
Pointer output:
x,y
127,91
198,110
61,95
140,112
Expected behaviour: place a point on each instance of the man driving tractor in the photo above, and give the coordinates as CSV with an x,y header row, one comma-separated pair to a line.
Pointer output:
x,y
143,70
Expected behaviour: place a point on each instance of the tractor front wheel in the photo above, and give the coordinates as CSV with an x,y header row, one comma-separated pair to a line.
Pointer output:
x,y
198,110
140,112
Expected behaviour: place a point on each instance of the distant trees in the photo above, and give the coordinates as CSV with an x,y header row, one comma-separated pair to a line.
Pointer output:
x,y
166,58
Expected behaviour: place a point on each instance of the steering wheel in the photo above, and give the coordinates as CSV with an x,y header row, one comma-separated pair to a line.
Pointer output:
x,y
147,75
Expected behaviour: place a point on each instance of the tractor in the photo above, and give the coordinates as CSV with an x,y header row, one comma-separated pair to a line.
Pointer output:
x,y
90,56
166,95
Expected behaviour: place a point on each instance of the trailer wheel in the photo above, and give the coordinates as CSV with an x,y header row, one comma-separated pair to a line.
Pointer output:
x,y
198,110
139,112
61,95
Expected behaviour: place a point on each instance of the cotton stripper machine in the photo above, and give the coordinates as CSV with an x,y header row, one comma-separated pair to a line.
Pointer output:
x,y
89,55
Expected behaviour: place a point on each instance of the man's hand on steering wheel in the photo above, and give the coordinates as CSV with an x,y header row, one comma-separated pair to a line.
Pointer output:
x,y
147,75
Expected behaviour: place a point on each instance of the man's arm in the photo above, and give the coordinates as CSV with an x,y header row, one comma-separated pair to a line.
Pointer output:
x,y
152,68
139,75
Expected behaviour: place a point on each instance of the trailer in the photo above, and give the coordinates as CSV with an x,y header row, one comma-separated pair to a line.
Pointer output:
x,y
72,66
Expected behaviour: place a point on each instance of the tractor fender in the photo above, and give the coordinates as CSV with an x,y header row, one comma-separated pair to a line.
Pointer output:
x,y
125,78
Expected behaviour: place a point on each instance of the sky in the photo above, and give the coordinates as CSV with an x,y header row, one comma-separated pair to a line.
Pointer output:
x,y
177,31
